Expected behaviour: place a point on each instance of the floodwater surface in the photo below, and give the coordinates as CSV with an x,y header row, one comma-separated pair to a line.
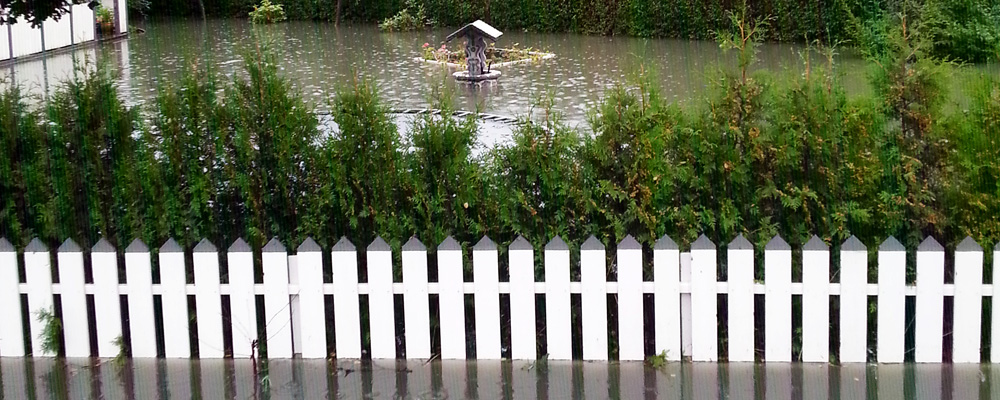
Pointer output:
x,y
44,378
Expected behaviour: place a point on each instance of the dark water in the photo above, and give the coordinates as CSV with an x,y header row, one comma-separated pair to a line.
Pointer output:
x,y
321,57
46,378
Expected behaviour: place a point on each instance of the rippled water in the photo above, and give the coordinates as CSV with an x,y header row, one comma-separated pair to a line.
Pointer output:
x,y
45,378
320,57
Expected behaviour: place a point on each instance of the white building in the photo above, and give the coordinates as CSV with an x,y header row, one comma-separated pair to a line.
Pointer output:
x,y
73,28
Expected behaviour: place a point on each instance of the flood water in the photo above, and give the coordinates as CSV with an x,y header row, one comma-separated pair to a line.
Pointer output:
x,y
319,57
45,378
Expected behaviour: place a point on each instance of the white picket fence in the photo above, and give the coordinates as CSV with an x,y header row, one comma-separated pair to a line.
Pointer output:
x,y
685,290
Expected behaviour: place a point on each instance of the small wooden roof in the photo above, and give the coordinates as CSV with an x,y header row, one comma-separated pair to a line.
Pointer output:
x,y
479,26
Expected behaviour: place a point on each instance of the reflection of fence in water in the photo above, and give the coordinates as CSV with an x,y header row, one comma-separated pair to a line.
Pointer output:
x,y
295,293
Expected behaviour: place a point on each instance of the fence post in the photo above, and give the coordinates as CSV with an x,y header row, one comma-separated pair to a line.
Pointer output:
x,y
139,277
11,337
740,300
346,309
277,312
416,309
853,301
778,301
968,302
208,300
995,331
630,308
522,299
557,306
929,302
173,280
486,277
704,312
38,273
74,300
242,300
451,299
381,310
666,298
891,301
816,301
594,299
312,321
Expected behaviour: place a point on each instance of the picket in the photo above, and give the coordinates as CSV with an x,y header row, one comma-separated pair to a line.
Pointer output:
x,y
73,300
815,301
853,301
740,300
778,301
242,300
381,310
486,277
521,258
630,307
451,299
107,302
277,315
416,309
208,302
11,337
312,317
173,281
139,277
704,321
38,274
594,300
347,317
557,305
891,318
666,298
995,320
968,302
929,302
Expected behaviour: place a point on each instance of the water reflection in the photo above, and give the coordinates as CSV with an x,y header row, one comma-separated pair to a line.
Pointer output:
x,y
45,378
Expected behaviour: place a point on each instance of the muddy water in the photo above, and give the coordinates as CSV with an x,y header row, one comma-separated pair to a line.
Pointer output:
x,y
320,379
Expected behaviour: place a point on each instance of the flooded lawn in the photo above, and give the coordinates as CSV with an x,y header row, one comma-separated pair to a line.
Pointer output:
x,y
41,378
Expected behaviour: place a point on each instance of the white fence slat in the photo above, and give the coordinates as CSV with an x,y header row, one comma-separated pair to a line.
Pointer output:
x,y
740,300
853,301
277,314
312,316
522,300
968,302
381,311
685,260
38,273
173,281
666,298
346,308
704,312
293,304
778,301
107,301
208,301
557,306
75,322
891,301
11,336
486,277
995,321
594,300
630,307
139,277
451,299
242,300
815,301
929,302
416,304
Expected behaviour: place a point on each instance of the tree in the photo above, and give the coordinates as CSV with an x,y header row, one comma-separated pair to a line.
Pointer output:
x,y
35,11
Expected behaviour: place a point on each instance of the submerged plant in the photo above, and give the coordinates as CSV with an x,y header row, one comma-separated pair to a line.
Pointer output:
x,y
267,13
51,331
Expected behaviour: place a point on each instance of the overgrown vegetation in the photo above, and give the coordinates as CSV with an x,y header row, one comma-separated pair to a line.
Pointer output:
x,y
267,13
411,18
51,334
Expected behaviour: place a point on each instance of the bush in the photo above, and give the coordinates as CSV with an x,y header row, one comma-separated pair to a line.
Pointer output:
x,y
267,13
403,21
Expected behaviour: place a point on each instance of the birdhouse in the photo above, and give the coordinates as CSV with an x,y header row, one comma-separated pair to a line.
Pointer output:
x,y
476,34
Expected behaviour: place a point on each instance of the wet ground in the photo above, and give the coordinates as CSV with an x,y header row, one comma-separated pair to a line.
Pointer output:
x,y
48,378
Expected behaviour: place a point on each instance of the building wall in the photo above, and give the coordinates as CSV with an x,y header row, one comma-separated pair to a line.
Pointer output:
x,y
75,27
